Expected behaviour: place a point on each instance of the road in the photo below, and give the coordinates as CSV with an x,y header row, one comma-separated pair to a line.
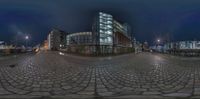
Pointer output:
x,y
55,74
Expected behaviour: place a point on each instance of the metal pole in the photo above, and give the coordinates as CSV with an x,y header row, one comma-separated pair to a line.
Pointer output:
x,y
26,43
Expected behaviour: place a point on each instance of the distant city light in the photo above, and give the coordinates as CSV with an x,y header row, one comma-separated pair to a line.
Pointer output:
x,y
1,42
26,37
158,40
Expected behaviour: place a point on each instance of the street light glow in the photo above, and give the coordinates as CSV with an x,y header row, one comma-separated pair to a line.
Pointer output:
x,y
26,37
158,40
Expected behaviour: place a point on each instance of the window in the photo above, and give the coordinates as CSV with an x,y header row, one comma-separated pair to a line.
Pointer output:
x,y
109,32
109,26
109,39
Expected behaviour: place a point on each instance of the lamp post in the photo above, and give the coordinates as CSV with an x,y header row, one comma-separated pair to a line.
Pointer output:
x,y
26,38
158,41
157,45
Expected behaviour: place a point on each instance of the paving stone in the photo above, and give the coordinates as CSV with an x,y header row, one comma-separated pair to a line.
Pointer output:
x,y
178,95
40,93
86,93
142,74
152,93
16,90
105,93
66,87
4,92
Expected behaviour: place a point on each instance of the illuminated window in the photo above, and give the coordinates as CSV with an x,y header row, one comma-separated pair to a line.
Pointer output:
x,y
109,22
101,31
109,39
109,32
109,26
101,20
101,40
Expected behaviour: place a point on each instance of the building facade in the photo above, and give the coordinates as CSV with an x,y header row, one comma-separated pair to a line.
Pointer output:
x,y
182,45
109,35
56,39
183,48
80,42
80,38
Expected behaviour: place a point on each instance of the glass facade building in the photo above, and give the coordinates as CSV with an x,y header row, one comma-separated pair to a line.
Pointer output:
x,y
80,38
105,29
109,35
182,45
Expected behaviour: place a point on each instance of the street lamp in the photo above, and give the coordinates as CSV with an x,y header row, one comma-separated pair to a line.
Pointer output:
x,y
157,44
26,38
158,40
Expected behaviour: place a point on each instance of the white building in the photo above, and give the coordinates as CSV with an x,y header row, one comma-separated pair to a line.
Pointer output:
x,y
80,38
182,45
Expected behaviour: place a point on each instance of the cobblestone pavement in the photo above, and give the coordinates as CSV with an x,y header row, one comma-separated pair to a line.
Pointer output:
x,y
144,74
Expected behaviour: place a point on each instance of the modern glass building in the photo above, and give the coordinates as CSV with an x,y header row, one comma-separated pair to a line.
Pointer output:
x,y
80,38
183,48
109,35
105,29
182,45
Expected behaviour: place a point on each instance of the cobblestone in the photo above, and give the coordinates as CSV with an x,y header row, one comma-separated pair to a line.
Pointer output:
x,y
145,74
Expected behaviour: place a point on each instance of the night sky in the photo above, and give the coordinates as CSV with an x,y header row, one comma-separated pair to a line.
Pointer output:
x,y
149,19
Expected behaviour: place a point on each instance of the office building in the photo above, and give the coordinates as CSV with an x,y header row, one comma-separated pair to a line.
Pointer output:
x,y
56,39
182,45
80,42
109,35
